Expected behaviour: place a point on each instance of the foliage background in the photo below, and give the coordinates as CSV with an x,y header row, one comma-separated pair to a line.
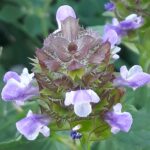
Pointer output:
x,y
23,26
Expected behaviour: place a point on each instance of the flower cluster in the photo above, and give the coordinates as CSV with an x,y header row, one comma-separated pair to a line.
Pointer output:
x,y
76,81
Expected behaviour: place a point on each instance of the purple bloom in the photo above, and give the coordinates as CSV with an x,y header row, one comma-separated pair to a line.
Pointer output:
x,y
131,22
134,77
18,88
116,27
109,6
112,37
119,121
62,13
32,125
81,100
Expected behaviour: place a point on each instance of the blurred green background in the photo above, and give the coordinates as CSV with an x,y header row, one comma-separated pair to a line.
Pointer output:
x,y
23,26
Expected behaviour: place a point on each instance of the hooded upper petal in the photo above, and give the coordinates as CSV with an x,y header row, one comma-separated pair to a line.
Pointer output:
x,y
111,36
131,22
62,13
119,121
9,75
32,125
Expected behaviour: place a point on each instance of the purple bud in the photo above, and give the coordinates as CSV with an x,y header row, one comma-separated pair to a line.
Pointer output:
x,y
119,121
32,125
81,100
134,77
109,6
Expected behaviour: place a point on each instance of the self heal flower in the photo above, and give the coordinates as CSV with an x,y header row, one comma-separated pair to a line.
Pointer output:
x,y
32,125
134,77
81,100
18,88
131,22
119,121
112,37
109,6
62,13
116,27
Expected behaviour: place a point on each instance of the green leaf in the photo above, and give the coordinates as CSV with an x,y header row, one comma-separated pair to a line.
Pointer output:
x,y
76,73
10,13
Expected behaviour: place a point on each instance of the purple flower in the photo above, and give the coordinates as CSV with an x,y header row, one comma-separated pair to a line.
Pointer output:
x,y
81,100
119,121
134,77
109,6
131,22
18,88
112,37
116,27
62,13
32,125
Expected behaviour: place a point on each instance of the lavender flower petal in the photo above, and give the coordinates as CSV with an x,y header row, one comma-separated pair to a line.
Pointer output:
x,y
109,6
32,125
81,100
82,109
131,22
13,91
114,52
133,78
62,13
112,37
119,121
11,74
18,88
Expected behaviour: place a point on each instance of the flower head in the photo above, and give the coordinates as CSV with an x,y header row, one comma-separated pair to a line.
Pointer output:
x,y
109,6
134,77
119,121
32,125
81,100
18,88
72,48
